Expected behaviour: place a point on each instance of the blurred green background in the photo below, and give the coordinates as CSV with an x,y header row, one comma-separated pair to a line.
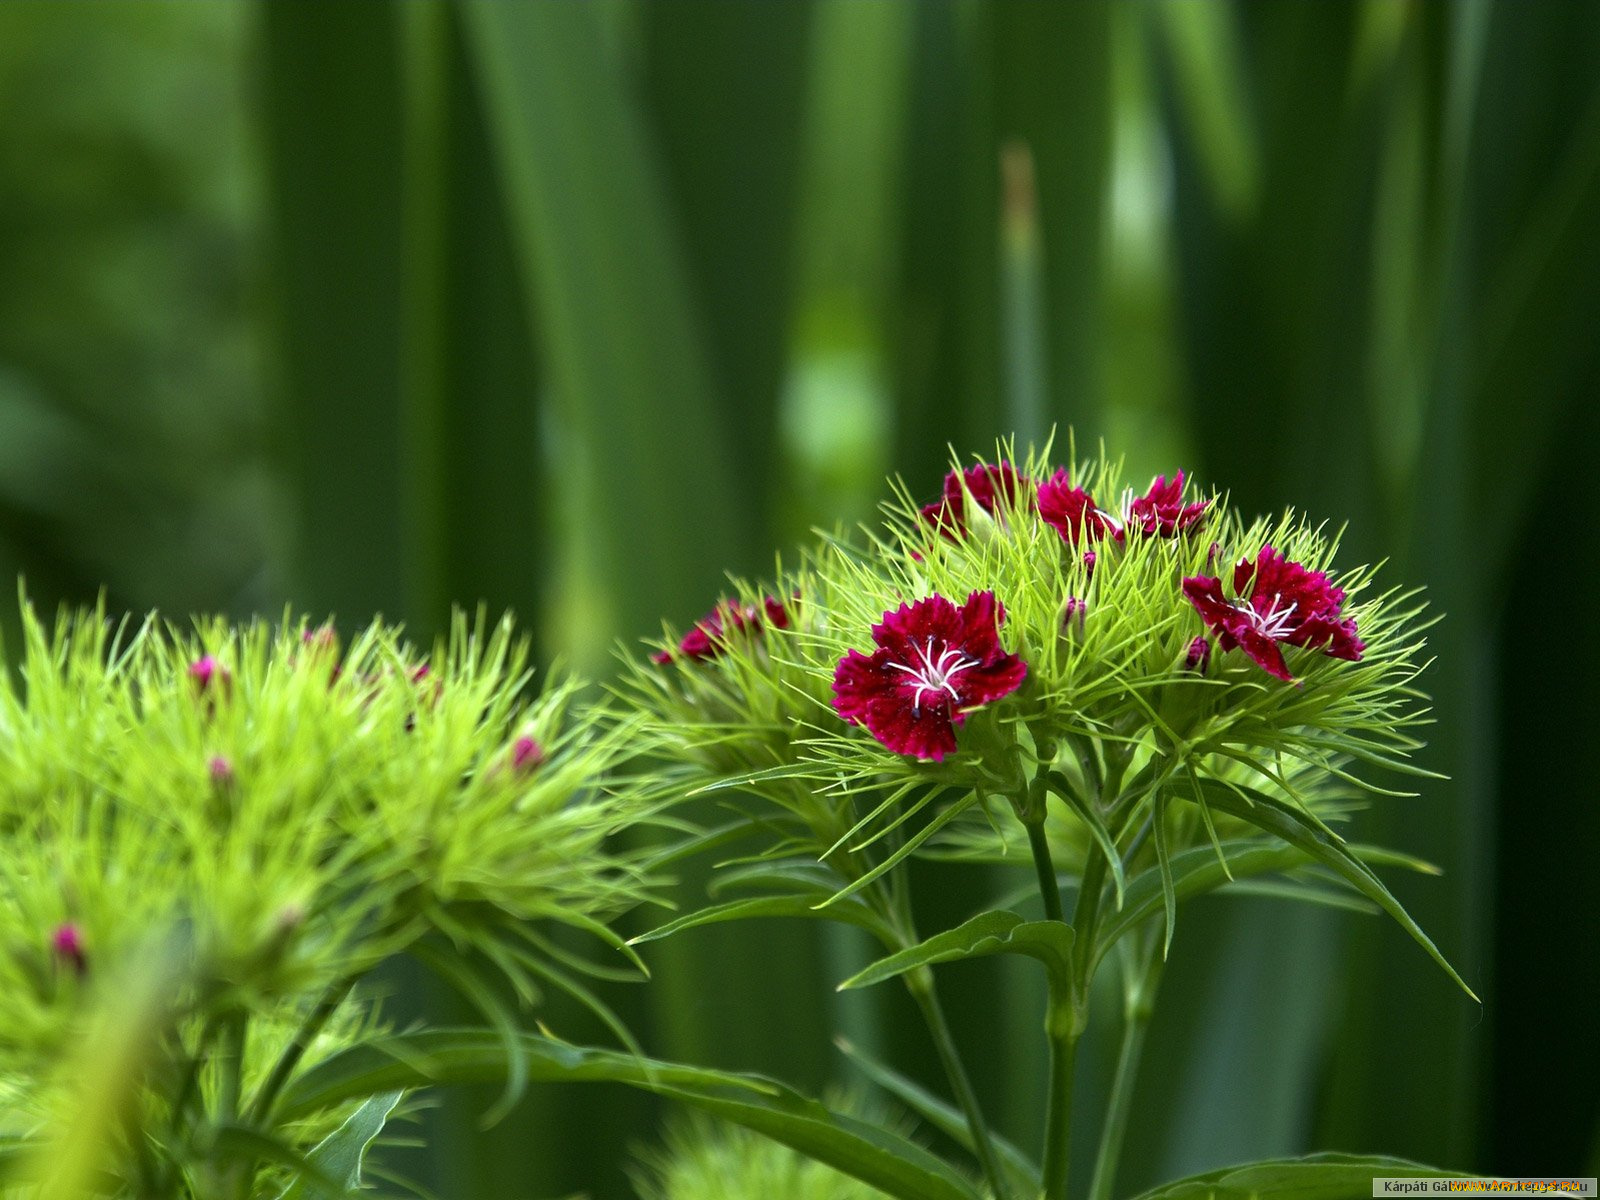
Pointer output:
x,y
374,307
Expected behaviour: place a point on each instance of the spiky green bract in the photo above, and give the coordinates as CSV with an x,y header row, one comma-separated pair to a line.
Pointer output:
x,y
703,1159
288,815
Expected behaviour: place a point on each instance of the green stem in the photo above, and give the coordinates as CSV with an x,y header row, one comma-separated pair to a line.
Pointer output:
x,y
1136,1021
230,1065
1061,1027
1064,1026
922,990
267,1097
1049,889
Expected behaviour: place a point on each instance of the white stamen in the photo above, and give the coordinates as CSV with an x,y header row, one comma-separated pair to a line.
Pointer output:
x,y
935,674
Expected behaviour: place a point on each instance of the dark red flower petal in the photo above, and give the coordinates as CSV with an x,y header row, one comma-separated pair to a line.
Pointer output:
x,y
1281,602
991,485
711,633
1072,512
933,663
1161,512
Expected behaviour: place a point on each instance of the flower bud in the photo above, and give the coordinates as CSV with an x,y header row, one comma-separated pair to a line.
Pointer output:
x,y
67,943
1198,655
210,675
526,754
221,770
1073,615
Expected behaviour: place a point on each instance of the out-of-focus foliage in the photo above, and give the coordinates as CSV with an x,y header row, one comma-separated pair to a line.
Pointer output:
x,y
130,367
570,307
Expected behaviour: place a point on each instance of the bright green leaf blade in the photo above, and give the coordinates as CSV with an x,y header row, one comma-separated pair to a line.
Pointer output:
x,y
850,912
404,1061
1198,871
338,1156
460,1056
1314,1177
1301,830
986,934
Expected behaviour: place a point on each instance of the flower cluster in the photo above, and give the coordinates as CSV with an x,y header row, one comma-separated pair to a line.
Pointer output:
x,y
1047,543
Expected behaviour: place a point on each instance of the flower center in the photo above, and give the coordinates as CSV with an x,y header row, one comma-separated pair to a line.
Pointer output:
x,y
935,672
1276,621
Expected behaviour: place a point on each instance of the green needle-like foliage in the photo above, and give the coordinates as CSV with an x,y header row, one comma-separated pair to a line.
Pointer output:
x,y
261,817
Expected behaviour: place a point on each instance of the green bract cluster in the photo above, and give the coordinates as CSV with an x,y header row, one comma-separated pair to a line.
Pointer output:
x,y
243,822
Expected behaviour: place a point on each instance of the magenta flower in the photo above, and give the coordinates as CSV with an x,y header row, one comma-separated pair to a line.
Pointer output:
x,y
1072,512
710,634
1279,603
1161,512
933,664
992,485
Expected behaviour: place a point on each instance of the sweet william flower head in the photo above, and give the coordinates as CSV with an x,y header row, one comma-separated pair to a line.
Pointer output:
x,y
1278,603
933,663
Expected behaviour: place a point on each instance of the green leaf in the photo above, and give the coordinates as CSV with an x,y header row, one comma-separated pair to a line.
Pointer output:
x,y
1314,1177
403,1061
1301,891
1091,817
852,912
481,994
1198,871
946,1118
1303,831
988,933
241,1144
338,1156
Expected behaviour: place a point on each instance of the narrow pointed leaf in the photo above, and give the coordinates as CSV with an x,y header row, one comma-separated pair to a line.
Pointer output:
x,y
1197,871
986,934
1303,831
851,912
946,1118
404,1061
1314,1177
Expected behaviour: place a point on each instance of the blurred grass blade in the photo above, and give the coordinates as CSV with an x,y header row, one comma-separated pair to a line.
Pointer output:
x,y
614,315
334,128
1204,44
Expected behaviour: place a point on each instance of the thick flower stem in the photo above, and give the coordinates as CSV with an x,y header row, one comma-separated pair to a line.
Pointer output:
x,y
1058,1111
920,984
1049,890
1136,1021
